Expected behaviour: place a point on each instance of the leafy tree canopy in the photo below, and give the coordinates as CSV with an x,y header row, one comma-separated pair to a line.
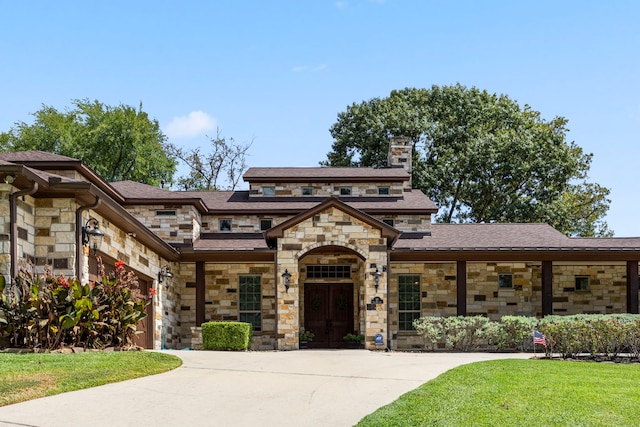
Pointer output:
x,y
481,157
118,143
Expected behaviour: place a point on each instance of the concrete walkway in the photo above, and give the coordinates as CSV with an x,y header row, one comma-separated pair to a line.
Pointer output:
x,y
295,388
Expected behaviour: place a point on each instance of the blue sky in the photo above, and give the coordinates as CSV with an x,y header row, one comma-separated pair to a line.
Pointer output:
x,y
279,72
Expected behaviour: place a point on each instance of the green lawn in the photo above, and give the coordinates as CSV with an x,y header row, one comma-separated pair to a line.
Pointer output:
x,y
521,393
29,376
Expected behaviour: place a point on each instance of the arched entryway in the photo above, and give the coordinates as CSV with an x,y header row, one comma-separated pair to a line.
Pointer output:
x,y
331,283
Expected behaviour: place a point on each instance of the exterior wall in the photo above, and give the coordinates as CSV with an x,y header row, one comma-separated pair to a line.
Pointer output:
x,y
55,235
606,294
184,227
331,227
222,300
437,297
240,223
401,154
409,223
358,189
5,232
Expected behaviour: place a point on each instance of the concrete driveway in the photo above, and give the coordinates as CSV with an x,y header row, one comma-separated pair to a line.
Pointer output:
x,y
295,388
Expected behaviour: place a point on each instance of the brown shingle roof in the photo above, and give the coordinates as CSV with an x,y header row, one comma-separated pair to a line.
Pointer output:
x,y
34,156
506,237
315,174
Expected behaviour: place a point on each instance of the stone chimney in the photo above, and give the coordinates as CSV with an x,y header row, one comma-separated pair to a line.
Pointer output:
x,y
400,155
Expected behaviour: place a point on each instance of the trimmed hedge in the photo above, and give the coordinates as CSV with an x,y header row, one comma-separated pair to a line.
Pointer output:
x,y
598,336
226,336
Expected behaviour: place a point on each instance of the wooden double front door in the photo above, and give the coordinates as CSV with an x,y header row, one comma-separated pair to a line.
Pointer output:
x,y
328,313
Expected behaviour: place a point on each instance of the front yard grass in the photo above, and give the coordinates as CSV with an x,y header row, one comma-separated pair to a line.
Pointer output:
x,y
520,393
29,376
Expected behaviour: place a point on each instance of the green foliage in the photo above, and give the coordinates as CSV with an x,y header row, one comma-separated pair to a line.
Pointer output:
x,y
512,332
119,143
460,333
599,335
520,393
481,157
47,311
305,335
226,335
353,337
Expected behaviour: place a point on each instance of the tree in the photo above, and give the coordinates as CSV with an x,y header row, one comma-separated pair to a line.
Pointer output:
x,y
481,157
208,171
118,143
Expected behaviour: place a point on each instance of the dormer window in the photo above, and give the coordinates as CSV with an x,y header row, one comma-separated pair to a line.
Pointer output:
x,y
269,191
307,191
345,191
383,191
265,224
225,224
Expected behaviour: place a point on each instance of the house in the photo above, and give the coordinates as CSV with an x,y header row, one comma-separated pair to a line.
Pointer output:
x,y
331,250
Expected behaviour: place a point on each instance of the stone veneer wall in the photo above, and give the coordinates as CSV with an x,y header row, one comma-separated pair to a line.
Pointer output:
x,y
358,189
331,227
184,227
55,235
5,232
240,223
607,289
437,297
606,294
221,300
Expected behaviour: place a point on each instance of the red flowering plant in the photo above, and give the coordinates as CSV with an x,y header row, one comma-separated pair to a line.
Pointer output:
x,y
47,311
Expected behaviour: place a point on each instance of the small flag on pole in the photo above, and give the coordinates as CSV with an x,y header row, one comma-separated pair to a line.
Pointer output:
x,y
539,338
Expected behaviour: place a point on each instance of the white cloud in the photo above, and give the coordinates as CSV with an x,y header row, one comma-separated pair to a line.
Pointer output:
x,y
302,68
196,123
341,4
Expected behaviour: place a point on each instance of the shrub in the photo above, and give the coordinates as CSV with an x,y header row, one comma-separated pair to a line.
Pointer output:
x,y
48,311
431,328
226,335
463,333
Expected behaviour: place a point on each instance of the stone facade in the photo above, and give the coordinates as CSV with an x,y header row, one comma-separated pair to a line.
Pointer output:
x,y
356,189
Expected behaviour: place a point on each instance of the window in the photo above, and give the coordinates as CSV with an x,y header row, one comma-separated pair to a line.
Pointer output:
x,y
269,191
408,300
345,191
225,224
165,212
388,221
250,301
582,283
307,191
328,271
265,224
505,281
383,191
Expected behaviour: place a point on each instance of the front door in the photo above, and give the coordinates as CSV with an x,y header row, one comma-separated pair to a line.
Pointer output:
x,y
328,313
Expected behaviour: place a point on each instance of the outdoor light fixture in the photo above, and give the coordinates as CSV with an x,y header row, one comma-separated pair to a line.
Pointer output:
x,y
91,233
286,278
376,279
164,272
9,179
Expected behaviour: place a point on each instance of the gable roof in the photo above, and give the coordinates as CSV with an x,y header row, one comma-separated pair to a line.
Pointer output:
x,y
390,233
322,174
34,156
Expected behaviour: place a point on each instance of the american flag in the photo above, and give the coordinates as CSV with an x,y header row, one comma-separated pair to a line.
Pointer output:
x,y
539,338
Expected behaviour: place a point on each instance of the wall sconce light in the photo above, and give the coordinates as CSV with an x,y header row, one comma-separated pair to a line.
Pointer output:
x,y
164,272
91,233
376,279
286,278
8,179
